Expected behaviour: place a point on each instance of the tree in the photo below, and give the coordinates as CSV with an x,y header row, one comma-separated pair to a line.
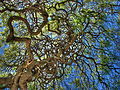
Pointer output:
x,y
49,40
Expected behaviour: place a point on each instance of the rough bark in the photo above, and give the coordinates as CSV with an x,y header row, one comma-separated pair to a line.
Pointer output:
x,y
6,82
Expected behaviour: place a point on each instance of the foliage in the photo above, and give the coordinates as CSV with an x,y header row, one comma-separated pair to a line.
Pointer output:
x,y
77,40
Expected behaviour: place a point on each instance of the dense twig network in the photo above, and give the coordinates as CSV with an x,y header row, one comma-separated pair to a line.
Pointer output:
x,y
58,34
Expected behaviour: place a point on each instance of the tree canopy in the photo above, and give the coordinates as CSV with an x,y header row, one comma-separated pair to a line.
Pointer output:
x,y
60,44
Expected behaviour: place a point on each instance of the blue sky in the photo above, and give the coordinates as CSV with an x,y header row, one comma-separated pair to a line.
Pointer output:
x,y
1,50
109,25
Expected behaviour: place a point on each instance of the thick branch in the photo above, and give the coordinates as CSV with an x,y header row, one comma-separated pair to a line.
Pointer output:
x,y
6,81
